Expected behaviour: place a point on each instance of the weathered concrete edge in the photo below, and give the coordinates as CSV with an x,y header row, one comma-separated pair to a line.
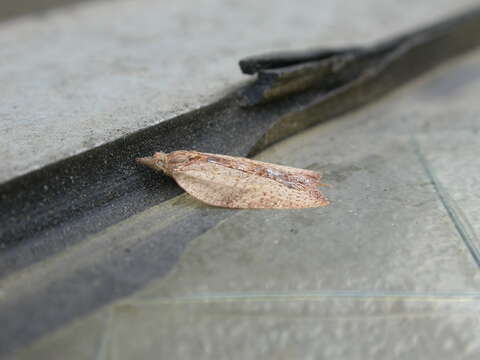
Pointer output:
x,y
14,9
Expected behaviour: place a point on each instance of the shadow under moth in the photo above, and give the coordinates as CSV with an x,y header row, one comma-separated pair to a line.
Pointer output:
x,y
236,182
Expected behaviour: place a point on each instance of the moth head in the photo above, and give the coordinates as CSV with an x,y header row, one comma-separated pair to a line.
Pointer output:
x,y
157,162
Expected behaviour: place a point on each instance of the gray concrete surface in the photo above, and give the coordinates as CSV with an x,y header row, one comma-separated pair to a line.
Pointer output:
x,y
80,76
389,270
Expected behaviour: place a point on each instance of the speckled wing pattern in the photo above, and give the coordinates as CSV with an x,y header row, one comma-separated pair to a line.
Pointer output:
x,y
235,182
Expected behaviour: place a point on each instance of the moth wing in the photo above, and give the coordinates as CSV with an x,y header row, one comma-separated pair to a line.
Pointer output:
x,y
222,186
312,176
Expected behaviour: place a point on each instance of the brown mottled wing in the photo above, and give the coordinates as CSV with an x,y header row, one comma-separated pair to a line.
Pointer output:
x,y
279,168
224,186
299,179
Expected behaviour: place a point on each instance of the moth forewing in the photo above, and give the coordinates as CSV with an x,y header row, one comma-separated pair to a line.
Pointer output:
x,y
260,164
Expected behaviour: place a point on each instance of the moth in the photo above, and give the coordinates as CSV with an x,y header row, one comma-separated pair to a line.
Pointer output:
x,y
236,182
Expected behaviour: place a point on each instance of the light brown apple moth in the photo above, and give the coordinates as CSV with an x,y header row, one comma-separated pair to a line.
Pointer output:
x,y
236,182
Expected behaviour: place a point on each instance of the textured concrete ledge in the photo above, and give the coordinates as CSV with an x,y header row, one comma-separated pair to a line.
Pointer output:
x,y
81,76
